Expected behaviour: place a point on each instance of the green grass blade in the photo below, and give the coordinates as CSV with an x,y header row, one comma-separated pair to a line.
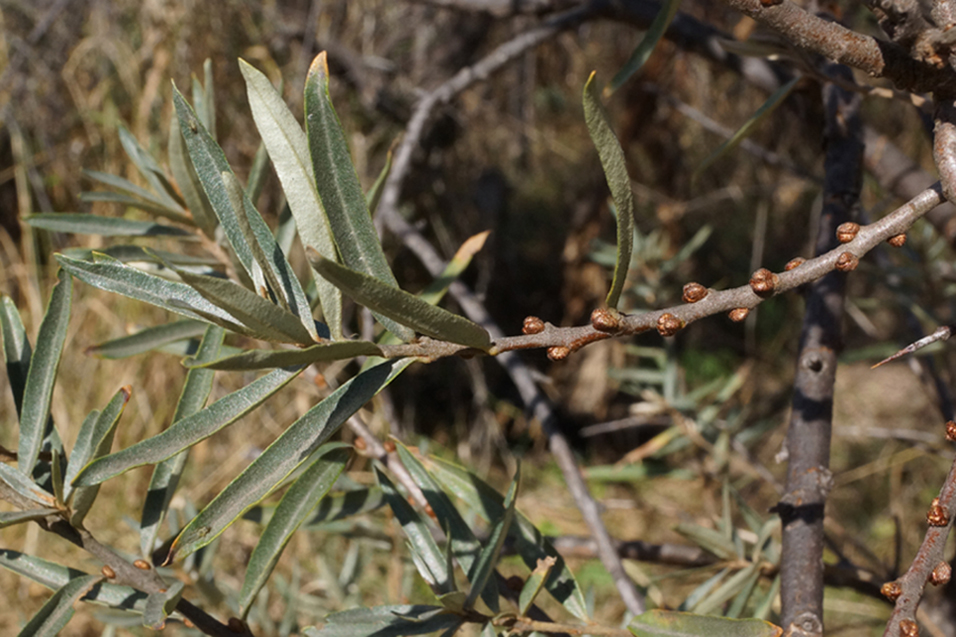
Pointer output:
x,y
103,226
269,321
55,576
188,181
619,182
775,100
188,431
58,610
485,565
38,391
530,543
339,187
283,456
289,150
401,306
296,505
107,273
166,474
428,557
148,339
666,623
16,349
264,359
647,45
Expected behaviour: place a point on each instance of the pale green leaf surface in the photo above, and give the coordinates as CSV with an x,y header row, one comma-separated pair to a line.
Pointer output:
x,y
58,610
338,187
29,492
160,605
16,349
104,226
11,518
480,575
43,366
283,456
533,585
148,339
730,588
401,306
296,505
262,358
125,186
289,149
257,174
133,202
187,431
647,44
148,168
708,539
663,623
332,508
386,621
619,182
188,181
374,193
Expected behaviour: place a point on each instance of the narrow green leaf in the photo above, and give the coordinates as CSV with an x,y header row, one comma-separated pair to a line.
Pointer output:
x,y
339,187
107,273
104,226
210,163
387,621
264,358
428,557
401,306
764,606
38,391
148,168
733,586
665,623
209,98
166,474
530,543
289,149
58,610
708,539
744,131
57,470
647,45
148,339
187,431
16,349
160,605
703,590
26,494
435,290
740,601
295,446
133,202
296,505
128,253
488,559
11,518
55,576
93,441
119,184
331,508
534,584
259,315
619,182
258,173
188,181
374,193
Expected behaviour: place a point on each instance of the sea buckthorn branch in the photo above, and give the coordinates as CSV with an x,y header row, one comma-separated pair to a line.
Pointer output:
x,y
929,565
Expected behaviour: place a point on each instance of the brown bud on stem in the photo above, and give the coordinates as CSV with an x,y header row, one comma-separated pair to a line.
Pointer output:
x,y
794,263
941,574
897,241
389,446
360,444
694,292
532,325
605,320
142,565
891,590
951,431
668,324
909,628
558,352
763,282
738,314
108,571
847,262
936,516
846,232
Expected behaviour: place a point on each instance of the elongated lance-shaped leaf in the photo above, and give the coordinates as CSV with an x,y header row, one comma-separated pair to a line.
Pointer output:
x,y
187,431
339,187
465,547
21,491
149,169
435,291
107,273
58,610
534,584
127,253
148,339
387,621
283,456
170,207
666,623
54,576
210,163
257,174
530,543
188,181
296,505
427,556
166,474
43,365
160,605
481,573
259,315
725,591
104,226
12,518
401,306
123,199
289,150
331,509
209,97
265,358
647,45
374,193
775,100
16,349
91,443
619,182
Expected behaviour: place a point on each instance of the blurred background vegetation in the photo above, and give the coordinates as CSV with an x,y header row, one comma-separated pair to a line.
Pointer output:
x,y
512,154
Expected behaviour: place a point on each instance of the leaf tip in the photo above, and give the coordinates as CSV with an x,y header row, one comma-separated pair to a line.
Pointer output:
x,y
319,67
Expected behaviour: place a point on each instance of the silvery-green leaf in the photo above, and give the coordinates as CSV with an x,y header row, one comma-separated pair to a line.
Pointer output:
x,y
21,491
485,565
258,173
160,605
133,202
188,181
58,610
16,349
387,621
374,193
11,518
665,623
264,358
148,339
647,45
104,226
